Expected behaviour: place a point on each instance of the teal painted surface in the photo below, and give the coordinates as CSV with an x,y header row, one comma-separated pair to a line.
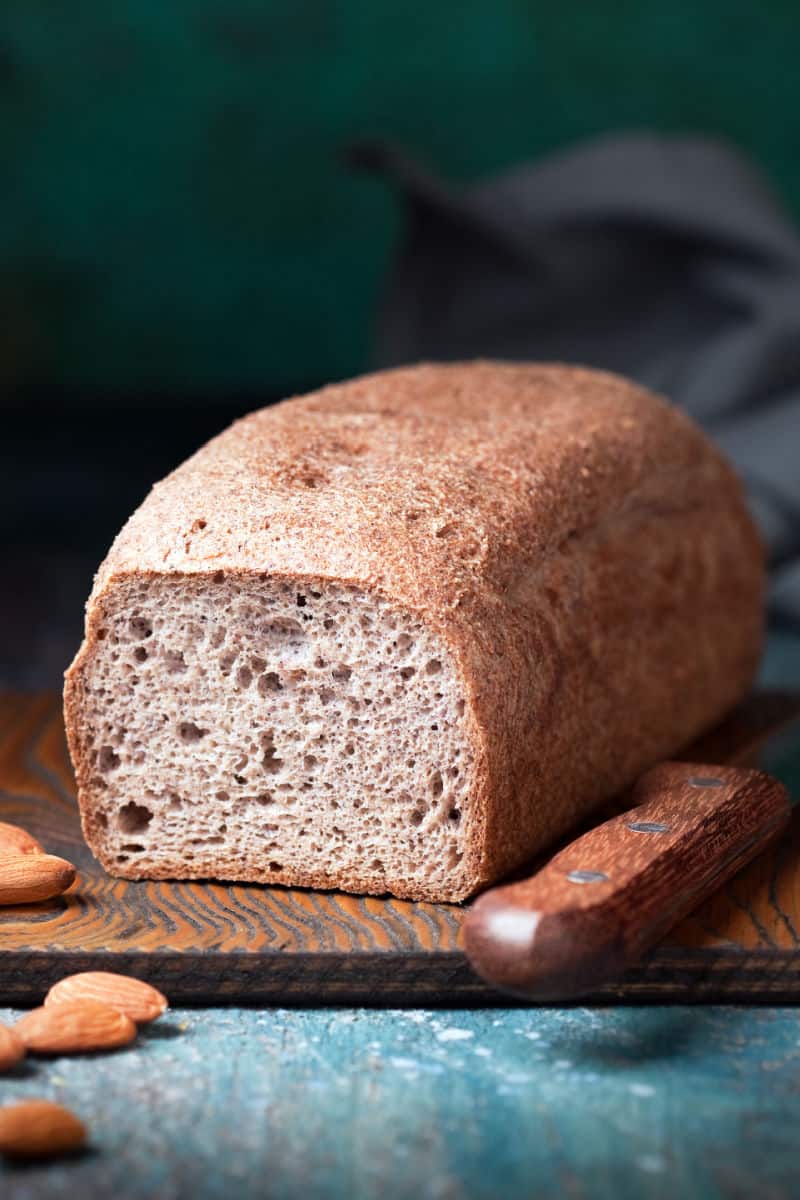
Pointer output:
x,y
174,216
359,1105
781,663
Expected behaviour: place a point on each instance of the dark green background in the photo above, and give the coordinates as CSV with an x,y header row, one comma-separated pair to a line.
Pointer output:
x,y
175,217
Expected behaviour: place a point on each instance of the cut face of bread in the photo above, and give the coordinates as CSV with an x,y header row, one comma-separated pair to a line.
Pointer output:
x,y
252,728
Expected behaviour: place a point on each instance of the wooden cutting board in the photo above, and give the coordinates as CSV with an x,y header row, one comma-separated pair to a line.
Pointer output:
x,y
204,942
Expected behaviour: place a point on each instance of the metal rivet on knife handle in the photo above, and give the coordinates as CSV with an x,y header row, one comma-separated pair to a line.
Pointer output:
x,y
586,876
703,781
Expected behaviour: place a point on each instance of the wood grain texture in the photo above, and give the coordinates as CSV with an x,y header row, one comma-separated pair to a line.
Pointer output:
x,y
612,894
212,942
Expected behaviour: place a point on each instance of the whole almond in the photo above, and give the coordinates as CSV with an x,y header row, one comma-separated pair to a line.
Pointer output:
x,y
39,1129
137,999
12,1048
15,840
75,1027
25,878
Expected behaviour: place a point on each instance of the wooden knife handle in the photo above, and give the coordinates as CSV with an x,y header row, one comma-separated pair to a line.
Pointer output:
x,y
612,894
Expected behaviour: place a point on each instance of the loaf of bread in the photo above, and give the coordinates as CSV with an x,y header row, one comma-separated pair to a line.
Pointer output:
x,y
400,634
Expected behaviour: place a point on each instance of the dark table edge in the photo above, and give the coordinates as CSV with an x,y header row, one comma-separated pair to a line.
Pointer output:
x,y
724,975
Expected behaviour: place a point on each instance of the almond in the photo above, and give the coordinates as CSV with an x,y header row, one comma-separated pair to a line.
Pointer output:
x,y
25,878
134,997
75,1027
12,1047
39,1129
14,840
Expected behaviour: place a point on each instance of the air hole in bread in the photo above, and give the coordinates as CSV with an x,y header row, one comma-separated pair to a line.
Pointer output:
x,y
133,847
107,759
433,666
276,866
270,761
244,677
285,628
226,661
140,654
133,817
189,732
437,786
270,682
174,661
140,627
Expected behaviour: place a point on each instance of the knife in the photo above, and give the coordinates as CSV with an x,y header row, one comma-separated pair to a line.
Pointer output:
x,y
612,894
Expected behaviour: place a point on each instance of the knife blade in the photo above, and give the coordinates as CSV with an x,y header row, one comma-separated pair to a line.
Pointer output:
x,y
606,899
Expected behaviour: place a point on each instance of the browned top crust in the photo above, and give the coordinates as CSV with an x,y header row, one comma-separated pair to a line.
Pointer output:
x,y
429,483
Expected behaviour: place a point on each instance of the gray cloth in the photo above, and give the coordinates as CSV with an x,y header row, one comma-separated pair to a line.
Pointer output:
x,y
666,259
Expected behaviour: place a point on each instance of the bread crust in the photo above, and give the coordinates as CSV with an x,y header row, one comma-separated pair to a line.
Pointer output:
x,y
581,547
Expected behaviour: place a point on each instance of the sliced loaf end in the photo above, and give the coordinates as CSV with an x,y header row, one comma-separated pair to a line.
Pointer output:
x,y
251,728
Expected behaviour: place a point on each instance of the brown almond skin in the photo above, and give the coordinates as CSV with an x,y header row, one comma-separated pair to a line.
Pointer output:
x,y
75,1027
39,1129
137,999
16,840
26,878
12,1048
